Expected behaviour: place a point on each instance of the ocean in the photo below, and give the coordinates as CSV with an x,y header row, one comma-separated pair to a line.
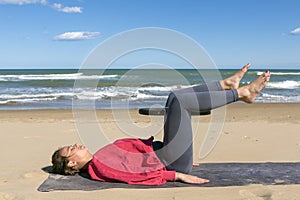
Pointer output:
x,y
123,89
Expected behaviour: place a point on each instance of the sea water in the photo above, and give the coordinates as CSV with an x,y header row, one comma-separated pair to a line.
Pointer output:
x,y
123,88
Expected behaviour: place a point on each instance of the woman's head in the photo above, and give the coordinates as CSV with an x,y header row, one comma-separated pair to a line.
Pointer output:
x,y
68,160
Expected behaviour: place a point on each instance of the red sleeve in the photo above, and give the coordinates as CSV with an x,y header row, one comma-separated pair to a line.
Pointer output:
x,y
129,160
169,175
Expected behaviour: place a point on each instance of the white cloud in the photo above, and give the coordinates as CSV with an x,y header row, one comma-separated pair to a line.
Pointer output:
x,y
71,36
295,31
21,2
59,7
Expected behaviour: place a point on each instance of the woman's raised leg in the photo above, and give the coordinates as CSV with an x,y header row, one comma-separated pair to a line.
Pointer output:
x,y
177,151
229,83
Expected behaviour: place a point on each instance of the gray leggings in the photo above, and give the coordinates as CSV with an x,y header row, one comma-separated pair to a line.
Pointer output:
x,y
177,151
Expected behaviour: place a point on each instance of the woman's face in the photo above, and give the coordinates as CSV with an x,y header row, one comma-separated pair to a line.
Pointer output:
x,y
74,152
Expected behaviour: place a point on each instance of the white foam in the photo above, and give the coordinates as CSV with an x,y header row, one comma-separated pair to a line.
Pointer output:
x,y
284,85
278,98
117,92
4,102
27,100
156,88
24,96
102,93
141,96
281,73
73,76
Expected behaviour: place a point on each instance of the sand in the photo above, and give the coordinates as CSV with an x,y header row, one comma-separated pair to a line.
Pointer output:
x,y
250,133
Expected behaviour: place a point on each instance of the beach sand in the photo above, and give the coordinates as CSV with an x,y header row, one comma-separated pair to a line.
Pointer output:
x,y
250,133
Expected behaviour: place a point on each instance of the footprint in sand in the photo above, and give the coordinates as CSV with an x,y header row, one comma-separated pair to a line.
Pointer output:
x,y
252,139
260,194
9,196
32,137
249,195
3,180
31,175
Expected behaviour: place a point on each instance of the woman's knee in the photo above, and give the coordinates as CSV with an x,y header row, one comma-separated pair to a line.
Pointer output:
x,y
171,96
173,102
170,99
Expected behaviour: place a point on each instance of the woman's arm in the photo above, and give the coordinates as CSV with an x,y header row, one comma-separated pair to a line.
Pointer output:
x,y
186,178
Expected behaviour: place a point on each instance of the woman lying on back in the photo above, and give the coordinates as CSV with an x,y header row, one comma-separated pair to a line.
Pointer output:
x,y
134,161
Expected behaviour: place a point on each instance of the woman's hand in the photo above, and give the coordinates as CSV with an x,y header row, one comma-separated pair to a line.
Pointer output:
x,y
186,178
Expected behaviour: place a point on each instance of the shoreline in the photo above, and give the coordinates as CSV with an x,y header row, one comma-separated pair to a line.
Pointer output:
x,y
37,108
287,111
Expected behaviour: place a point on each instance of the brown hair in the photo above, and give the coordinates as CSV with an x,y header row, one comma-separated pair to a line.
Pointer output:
x,y
60,165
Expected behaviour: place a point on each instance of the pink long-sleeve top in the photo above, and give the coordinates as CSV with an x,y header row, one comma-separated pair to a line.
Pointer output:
x,y
129,160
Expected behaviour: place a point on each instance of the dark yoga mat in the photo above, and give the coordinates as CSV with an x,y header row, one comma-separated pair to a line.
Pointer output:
x,y
219,174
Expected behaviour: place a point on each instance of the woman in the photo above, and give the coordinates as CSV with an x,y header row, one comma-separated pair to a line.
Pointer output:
x,y
135,162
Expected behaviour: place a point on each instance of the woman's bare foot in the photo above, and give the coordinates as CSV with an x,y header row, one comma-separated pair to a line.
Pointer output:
x,y
233,81
249,92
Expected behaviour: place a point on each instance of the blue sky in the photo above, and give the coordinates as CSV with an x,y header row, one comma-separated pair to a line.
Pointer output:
x,y
62,33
